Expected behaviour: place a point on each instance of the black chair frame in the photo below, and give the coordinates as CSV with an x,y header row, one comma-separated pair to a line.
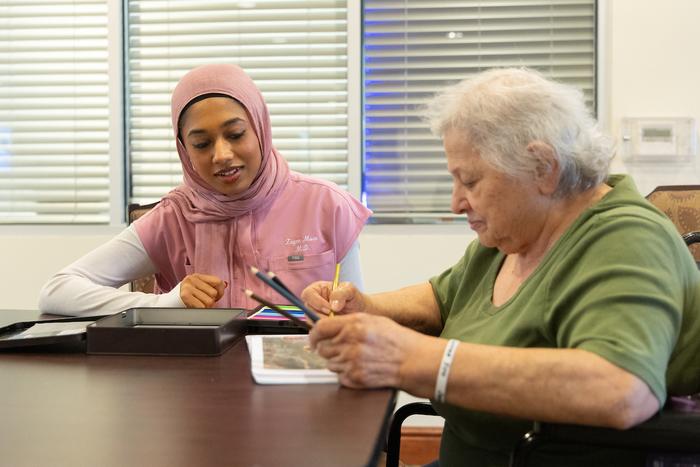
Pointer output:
x,y
669,431
393,449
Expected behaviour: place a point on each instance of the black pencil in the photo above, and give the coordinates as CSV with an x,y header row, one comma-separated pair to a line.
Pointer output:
x,y
284,291
293,298
279,310
275,278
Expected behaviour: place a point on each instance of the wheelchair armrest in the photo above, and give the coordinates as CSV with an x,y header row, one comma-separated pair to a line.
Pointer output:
x,y
669,430
691,237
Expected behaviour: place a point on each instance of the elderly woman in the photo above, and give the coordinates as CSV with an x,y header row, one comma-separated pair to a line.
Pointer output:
x,y
578,303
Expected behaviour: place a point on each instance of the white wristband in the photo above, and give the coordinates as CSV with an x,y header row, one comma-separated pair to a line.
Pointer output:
x,y
444,371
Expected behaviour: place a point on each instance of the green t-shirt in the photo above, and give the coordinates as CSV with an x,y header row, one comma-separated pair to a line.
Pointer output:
x,y
619,283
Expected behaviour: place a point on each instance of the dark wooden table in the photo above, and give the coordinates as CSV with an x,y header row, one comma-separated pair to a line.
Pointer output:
x,y
72,409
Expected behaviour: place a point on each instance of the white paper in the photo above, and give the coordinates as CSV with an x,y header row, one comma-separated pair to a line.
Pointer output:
x,y
286,359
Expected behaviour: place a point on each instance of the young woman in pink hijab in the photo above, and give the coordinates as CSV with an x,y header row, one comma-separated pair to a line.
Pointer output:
x,y
239,206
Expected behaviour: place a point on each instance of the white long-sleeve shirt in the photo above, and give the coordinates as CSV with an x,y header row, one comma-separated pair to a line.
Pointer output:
x,y
91,284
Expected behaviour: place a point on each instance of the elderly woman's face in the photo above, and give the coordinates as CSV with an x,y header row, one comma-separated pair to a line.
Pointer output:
x,y
499,208
221,143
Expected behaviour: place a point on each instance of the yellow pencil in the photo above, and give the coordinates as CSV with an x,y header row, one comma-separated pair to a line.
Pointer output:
x,y
336,277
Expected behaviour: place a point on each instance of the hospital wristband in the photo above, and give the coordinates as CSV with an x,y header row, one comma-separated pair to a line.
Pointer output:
x,y
444,370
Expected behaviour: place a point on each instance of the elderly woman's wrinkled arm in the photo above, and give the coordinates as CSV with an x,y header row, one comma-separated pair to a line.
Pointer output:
x,y
556,385
413,306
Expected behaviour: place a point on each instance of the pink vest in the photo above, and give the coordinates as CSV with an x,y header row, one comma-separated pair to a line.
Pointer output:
x,y
299,235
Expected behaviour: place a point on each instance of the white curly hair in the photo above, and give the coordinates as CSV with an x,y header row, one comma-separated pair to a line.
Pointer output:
x,y
502,110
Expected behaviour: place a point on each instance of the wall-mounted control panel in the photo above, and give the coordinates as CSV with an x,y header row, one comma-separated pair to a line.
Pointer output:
x,y
658,139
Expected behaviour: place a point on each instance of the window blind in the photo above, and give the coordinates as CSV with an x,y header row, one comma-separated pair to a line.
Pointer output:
x,y
295,51
412,49
54,126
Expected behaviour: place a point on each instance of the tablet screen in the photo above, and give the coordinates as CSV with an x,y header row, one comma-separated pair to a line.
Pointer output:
x,y
264,320
265,313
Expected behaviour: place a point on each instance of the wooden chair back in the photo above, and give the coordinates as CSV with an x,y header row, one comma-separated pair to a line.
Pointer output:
x,y
681,203
143,284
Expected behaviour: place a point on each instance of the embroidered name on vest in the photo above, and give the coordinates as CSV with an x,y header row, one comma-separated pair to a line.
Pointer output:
x,y
300,245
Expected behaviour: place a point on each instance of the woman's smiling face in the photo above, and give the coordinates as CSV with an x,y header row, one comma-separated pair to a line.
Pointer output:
x,y
221,144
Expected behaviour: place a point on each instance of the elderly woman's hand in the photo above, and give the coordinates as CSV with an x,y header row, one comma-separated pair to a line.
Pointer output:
x,y
201,290
366,351
344,299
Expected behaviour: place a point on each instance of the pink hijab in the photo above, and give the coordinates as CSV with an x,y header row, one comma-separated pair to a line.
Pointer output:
x,y
197,200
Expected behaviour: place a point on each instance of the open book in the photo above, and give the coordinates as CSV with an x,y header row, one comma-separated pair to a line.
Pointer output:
x,y
286,359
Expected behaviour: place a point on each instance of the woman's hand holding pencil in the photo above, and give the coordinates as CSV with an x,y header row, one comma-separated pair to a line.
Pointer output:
x,y
323,297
